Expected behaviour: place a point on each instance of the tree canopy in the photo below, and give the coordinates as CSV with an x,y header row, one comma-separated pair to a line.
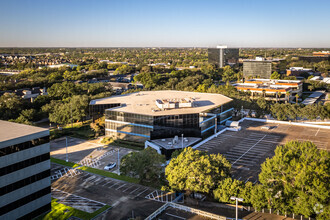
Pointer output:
x,y
145,165
196,171
296,178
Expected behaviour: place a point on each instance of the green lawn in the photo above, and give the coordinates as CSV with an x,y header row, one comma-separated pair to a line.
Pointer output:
x,y
63,162
94,170
109,174
62,212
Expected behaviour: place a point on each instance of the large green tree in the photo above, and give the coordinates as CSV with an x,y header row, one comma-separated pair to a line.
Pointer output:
x,y
297,178
77,105
275,75
10,106
145,165
196,171
228,74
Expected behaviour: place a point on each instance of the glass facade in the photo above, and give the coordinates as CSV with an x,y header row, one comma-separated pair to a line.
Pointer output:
x,y
97,111
128,126
223,56
175,125
23,146
137,127
258,69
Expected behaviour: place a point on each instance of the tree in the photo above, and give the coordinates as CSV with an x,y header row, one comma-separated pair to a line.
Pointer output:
x,y
62,113
10,106
145,165
275,75
26,116
228,74
258,197
63,90
196,171
124,69
227,188
98,126
297,96
297,178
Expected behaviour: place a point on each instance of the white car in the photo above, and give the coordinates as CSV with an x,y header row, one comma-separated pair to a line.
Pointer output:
x,y
110,166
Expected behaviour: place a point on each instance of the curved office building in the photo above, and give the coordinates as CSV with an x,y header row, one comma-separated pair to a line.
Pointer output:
x,y
150,115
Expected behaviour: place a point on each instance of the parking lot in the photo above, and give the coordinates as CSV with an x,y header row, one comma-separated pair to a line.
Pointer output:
x,y
124,197
78,202
248,148
82,151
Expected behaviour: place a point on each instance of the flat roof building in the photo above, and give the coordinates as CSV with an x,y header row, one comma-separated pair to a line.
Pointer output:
x,y
222,56
262,68
149,115
24,171
297,71
321,53
272,89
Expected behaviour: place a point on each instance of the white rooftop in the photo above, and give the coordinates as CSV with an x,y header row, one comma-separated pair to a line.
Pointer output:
x,y
11,130
144,102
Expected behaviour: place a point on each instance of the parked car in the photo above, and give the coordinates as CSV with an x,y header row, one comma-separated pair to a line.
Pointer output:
x,y
110,166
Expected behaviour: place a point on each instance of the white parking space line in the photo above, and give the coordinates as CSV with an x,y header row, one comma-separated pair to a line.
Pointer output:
x,y
244,138
102,182
53,189
128,188
134,190
247,151
317,132
142,192
108,183
114,184
121,186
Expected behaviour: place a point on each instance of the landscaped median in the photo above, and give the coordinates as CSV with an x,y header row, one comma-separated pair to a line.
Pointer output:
x,y
61,212
63,162
94,170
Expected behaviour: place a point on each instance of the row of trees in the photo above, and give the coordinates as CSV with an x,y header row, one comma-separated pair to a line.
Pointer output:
x,y
63,103
296,111
295,180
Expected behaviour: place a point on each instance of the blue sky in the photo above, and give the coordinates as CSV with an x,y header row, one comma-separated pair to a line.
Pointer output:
x,y
164,23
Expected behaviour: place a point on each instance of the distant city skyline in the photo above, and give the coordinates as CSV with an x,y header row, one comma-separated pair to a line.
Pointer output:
x,y
180,23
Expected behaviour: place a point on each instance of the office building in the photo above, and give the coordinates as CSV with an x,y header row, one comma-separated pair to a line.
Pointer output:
x,y
314,59
272,89
297,71
150,115
262,68
321,54
222,56
24,171
259,67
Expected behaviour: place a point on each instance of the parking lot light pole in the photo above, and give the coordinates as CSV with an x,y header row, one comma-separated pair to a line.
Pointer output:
x,y
237,199
66,146
118,163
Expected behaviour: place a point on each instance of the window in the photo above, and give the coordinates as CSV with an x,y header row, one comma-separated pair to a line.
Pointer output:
x,y
23,146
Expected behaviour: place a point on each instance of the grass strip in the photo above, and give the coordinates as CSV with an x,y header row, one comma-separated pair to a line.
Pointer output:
x,y
109,174
94,170
63,162
62,212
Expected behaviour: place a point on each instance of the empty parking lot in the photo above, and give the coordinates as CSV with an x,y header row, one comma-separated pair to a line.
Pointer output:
x,y
248,148
124,197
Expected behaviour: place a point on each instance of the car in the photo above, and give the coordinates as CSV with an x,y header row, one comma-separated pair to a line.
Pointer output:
x,y
110,166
